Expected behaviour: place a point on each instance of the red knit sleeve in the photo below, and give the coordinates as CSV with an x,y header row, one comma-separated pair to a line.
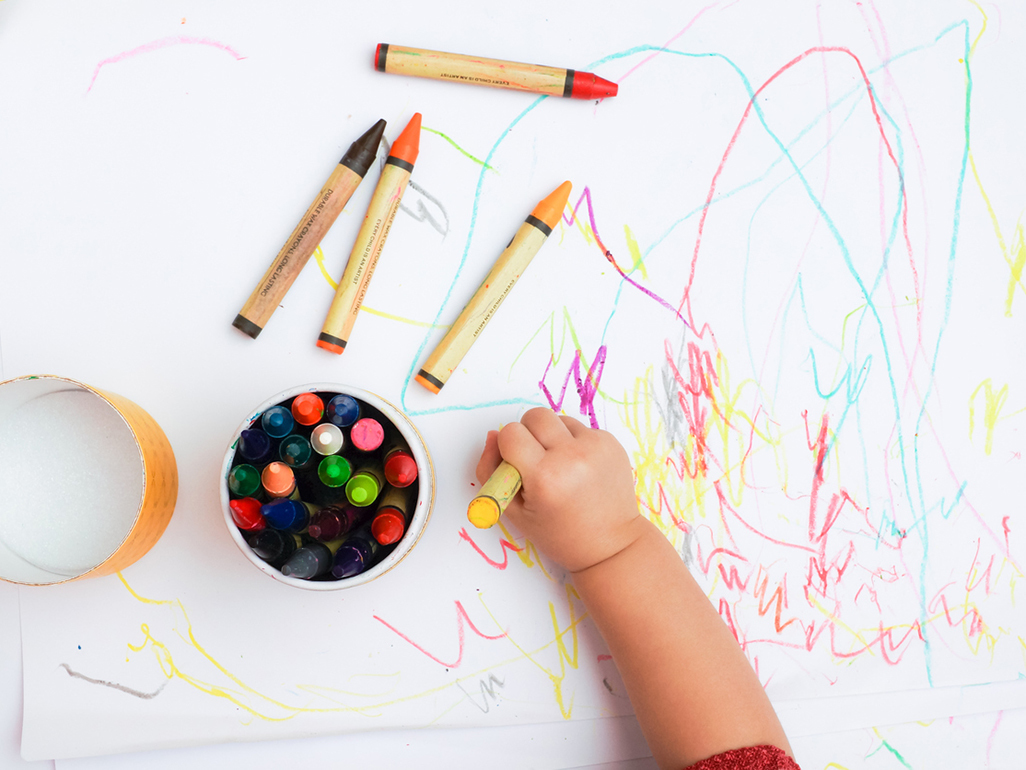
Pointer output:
x,y
751,758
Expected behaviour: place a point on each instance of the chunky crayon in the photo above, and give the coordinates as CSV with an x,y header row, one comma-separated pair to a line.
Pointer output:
x,y
307,408
327,439
342,410
273,546
356,554
334,521
296,452
457,68
400,467
308,233
366,434
278,480
255,446
246,514
288,515
277,422
486,300
365,485
501,487
371,239
334,471
312,560
392,516
244,480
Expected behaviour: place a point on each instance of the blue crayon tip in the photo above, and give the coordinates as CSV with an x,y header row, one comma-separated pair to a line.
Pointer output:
x,y
342,410
285,514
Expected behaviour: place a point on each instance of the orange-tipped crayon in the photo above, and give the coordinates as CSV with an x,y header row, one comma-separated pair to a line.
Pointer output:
x,y
278,480
486,300
496,73
371,239
307,408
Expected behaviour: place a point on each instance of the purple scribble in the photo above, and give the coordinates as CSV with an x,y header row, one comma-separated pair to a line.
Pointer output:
x,y
587,387
164,42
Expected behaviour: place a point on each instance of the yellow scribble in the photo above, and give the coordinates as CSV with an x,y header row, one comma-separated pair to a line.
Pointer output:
x,y
565,658
319,256
635,252
271,709
992,404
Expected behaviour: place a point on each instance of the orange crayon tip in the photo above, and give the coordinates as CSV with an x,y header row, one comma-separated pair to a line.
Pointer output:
x,y
277,478
551,208
407,145
336,349
427,383
307,408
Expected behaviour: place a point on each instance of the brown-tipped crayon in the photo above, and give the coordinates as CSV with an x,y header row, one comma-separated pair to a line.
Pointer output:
x,y
486,300
475,70
371,239
321,215
502,486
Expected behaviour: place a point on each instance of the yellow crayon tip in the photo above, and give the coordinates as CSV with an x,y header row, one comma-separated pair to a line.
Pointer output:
x,y
483,512
551,208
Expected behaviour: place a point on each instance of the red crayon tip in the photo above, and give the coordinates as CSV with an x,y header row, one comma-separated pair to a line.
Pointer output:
x,y
407,145
307,408
246,514
590,86
400,469
388,527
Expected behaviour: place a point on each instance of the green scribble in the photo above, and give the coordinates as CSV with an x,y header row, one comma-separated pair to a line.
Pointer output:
x,y
478,161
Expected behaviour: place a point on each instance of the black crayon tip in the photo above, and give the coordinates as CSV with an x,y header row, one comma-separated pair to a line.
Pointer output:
x,y
362,152
246,326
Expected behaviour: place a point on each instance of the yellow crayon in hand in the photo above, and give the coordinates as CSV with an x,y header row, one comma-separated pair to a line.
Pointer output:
x,y
502,486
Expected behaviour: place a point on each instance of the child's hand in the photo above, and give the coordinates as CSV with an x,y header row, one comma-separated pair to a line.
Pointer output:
x,y
577,502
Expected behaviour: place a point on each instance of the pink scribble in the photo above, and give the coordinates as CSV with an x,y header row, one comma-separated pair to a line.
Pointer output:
x,y
587,386
461,619
156,45
504,544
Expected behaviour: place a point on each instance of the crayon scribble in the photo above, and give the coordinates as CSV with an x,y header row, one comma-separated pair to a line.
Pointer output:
x,y
115,685
164,42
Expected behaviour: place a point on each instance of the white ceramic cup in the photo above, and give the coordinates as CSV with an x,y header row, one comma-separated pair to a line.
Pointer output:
x,y
418,516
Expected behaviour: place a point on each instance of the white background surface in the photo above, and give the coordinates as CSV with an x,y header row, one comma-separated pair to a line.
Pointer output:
x,y
140,206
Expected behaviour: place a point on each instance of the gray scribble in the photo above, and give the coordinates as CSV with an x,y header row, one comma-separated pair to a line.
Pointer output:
x,y
419,211
487,689
422,214
114,685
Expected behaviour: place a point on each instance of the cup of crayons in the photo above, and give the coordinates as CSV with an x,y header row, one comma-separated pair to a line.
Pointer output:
x,y
326,486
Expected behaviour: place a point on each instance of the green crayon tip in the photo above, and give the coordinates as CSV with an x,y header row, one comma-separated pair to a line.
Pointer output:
x,y
244,480
334,471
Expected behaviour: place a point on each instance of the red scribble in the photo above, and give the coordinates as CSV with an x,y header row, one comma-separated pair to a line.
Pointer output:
x,y
506,546
602,658
461,619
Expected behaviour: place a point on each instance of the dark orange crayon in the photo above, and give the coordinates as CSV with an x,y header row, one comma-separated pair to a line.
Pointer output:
x,y
307,408
371,239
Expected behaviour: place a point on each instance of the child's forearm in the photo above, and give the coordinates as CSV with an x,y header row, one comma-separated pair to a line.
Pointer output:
x,y
694,693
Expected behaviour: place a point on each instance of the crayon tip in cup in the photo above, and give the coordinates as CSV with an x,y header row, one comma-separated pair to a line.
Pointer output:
x,y
483,512
387,528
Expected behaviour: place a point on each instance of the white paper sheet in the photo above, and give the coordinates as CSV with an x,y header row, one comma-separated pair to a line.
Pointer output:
x,y
786,286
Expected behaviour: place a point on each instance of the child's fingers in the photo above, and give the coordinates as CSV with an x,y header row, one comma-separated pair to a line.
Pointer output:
x,y
519,447
490,457
546,427
576,427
